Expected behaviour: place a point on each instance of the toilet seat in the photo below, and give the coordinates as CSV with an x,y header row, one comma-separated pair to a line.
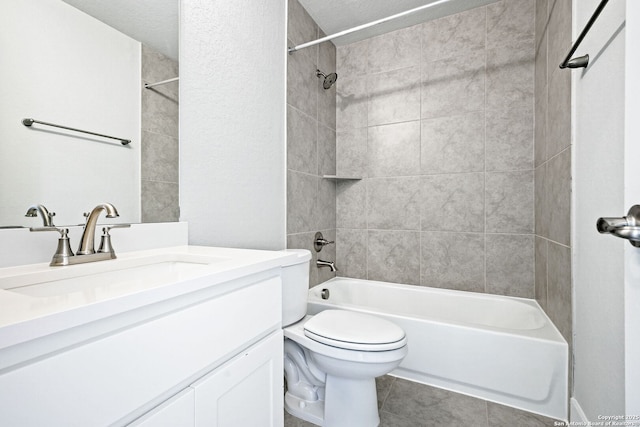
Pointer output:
x,y
354,331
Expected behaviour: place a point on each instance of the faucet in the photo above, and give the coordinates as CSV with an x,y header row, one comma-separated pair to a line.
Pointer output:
x,y
330,264
87,246
47,217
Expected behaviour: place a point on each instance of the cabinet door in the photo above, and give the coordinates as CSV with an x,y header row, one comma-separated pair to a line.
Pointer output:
x,y
247,391
175,412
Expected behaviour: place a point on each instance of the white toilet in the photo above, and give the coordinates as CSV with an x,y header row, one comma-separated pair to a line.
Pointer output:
x,y
331,359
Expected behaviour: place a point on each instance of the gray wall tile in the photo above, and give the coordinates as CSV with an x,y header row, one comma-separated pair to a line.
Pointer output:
x,y
559,306
559,112
352,59
394,50
510,265
326,204
302,137
311,142
510,75
394,256
302,190
159,201
393,203
326,151
159,157
159,143
509,140
351,204
453,261
454,85
351,253
327,97
454,35
302,83
453,203
394,96
351,103
394,150
453,144
558,197
300,26
509,198
541,272
351,152
510,20
541,102
542,218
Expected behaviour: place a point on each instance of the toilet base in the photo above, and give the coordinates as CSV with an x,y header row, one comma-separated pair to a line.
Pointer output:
x,y
351,403
312,412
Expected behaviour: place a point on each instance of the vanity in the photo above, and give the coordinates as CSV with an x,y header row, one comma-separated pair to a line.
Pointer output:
x,y
179,336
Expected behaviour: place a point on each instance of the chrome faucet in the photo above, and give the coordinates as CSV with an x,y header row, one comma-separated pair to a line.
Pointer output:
x,y
87,240
47,217
330,264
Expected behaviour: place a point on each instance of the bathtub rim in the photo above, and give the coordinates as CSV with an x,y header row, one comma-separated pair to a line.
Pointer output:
x,y
548,332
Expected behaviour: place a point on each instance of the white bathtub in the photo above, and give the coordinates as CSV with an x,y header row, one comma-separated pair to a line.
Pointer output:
x,y
501,349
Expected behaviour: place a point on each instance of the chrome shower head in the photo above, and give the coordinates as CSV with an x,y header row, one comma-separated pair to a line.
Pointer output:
x,y
329,79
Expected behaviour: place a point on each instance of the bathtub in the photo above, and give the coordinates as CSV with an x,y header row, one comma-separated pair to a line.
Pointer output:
x,y
497,348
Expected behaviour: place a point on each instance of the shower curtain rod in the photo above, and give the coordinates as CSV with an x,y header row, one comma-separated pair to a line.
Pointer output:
x,y
364,26
150,85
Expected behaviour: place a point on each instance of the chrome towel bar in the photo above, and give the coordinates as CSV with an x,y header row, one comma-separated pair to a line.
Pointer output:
x,y
29,122
582,61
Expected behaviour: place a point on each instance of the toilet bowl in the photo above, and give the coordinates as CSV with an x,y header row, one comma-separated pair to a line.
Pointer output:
x,y
331,359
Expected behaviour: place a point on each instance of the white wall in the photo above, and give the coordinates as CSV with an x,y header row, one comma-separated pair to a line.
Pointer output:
x,y
62,66
232,122
599,191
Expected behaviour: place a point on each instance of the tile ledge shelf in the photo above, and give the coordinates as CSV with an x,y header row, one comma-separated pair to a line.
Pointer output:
x,y
336,177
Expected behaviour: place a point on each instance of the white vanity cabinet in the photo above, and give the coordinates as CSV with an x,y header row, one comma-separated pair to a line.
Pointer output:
x,y
175,412
211,356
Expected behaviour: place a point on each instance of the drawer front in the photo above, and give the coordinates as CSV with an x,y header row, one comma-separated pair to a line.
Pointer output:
x,y
105,380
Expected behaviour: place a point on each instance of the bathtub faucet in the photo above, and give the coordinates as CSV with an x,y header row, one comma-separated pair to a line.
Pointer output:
x,y
330,264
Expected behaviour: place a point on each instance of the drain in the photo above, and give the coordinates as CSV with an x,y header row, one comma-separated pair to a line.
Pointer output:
x,y
325,293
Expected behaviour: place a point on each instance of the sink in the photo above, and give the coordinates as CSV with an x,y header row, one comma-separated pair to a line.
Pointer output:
x,y
111,278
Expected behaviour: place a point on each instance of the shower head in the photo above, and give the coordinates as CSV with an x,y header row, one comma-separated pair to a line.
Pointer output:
x,y
329,79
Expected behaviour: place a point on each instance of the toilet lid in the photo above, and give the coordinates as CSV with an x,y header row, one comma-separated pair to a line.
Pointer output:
x,y
354,331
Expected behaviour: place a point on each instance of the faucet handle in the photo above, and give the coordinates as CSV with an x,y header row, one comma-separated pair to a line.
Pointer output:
x,y
320,242
62,231
63,252
105,240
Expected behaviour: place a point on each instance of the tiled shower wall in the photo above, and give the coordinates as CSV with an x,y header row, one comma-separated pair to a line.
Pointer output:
x,y
438,120
553,163
311,142
159,169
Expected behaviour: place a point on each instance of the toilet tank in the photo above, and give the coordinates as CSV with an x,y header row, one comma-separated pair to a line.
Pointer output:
x,y
295,287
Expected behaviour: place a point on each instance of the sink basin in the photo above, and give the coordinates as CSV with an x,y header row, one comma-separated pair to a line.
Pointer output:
x,y
111,278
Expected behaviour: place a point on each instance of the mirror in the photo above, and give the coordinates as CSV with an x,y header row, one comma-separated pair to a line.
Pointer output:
x,y
71,69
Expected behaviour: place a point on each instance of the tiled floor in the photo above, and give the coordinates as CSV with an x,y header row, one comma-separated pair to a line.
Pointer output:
x,y
404,403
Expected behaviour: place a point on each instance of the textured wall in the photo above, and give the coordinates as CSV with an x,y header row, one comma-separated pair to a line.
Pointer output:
x,y
311,142
159,164
438,119
232,122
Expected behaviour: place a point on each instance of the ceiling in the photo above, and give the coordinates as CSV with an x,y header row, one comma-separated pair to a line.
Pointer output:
x,y
155,22
333,16
152,22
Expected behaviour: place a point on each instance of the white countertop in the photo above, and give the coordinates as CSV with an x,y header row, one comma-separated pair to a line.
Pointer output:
x,y
27,313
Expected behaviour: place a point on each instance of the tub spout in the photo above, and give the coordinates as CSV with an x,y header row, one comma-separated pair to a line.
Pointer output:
x,y
330,264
